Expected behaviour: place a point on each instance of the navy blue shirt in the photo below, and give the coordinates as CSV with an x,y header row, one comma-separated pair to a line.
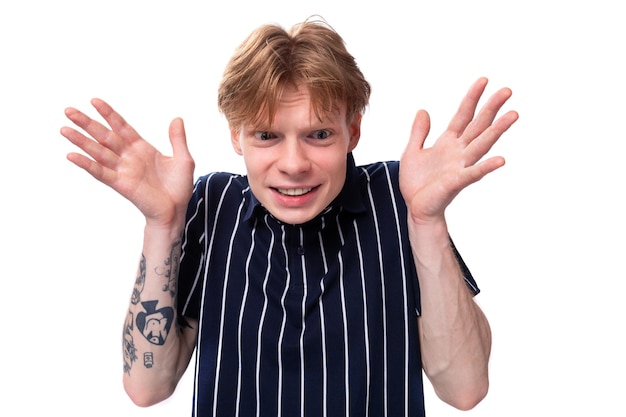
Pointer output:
x,y
317,319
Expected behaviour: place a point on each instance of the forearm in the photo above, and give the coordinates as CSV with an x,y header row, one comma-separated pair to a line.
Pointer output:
x,y
454,334
156,349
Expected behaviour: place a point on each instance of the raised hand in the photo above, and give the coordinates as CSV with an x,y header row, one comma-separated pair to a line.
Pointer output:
x,y
158,185
430,178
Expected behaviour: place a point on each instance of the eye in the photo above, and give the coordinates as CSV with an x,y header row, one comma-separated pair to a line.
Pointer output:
x,y
320,134
264,135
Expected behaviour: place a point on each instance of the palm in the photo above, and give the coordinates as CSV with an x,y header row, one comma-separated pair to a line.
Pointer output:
x,y
152,181
430,178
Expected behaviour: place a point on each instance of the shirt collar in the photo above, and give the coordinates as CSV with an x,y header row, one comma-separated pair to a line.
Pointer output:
x,y
351,197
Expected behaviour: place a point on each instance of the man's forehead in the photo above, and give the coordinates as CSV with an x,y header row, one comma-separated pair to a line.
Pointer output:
x,y
317,113
316,119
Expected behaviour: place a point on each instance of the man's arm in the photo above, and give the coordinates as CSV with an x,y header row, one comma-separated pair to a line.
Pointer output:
x,y
157,346
156,349
454,334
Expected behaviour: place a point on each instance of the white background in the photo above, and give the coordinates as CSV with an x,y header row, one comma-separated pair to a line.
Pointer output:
x,y
543,235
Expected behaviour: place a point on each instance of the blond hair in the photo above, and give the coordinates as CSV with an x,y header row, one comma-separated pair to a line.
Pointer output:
x,y
271,58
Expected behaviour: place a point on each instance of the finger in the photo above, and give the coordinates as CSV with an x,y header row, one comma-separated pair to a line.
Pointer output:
x,y
466,110
99,153
478,171
486,115
95,129
96,170
178,139
115,120
483,144
419,132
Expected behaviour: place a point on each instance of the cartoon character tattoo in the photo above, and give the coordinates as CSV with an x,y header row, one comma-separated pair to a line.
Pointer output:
x,y
155,324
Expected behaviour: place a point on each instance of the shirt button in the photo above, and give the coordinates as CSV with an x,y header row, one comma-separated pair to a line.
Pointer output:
x,y
300,250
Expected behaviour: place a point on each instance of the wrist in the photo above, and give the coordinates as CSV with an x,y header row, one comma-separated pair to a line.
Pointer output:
x,y
435,226
428,238
171,230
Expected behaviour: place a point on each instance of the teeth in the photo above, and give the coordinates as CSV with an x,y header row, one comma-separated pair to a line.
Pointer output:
x,y
294,191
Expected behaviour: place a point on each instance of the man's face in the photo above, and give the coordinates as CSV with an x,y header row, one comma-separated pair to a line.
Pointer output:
x,y
297,167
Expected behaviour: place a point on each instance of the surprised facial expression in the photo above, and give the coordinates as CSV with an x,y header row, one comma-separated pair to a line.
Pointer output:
x,y
297,166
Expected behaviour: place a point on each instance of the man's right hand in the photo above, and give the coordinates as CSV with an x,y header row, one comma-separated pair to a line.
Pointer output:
x,y
159,186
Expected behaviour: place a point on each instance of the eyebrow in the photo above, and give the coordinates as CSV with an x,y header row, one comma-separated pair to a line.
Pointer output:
x,y
316,125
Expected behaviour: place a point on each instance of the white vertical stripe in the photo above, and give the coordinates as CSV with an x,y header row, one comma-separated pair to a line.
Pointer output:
x,y
218,364
345,321
323,327
304,295
365,320
240,325
282,326
384,291
404,293
262,320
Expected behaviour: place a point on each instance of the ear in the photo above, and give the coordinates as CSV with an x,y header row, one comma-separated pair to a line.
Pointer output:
x,y
235,139
355,131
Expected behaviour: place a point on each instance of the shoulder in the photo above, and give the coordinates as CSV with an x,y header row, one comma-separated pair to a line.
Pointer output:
x,y
222,179
217,191
218,195
215,183
383,174
378,169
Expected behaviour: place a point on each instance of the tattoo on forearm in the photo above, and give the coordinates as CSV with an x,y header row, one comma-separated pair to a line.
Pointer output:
x,y
139,282
148,360
155,324
129,350
170,272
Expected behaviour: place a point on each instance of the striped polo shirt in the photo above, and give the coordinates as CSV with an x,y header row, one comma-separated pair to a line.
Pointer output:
x,y
316,319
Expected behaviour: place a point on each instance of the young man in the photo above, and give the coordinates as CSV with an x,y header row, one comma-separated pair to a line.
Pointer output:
x,y
309,286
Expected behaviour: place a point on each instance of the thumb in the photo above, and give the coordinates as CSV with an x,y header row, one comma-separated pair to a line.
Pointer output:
x,y
419,131
178,138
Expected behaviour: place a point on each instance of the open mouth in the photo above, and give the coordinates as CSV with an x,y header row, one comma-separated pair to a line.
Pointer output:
x,y
294,192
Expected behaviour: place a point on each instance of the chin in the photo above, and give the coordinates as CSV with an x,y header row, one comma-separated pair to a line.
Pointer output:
x,y
294,218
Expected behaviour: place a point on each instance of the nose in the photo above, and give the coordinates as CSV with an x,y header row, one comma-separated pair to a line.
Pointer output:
x,y
293,159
